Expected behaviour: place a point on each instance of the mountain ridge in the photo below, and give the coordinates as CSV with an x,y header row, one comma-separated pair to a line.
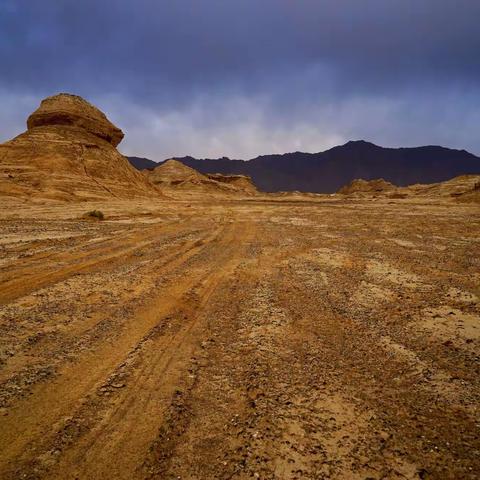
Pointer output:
x,y
327,171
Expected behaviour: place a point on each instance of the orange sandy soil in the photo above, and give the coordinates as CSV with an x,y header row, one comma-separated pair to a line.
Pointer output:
x,y
271,339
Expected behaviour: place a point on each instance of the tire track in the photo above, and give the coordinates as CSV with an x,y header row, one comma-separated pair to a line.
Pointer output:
x,y
127,430
85,333
42,409
36,274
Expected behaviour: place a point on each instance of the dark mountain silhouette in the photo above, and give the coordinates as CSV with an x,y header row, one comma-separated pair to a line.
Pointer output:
x,y
142,163
328,171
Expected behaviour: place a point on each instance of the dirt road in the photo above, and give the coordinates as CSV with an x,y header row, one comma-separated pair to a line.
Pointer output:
x,y
255,339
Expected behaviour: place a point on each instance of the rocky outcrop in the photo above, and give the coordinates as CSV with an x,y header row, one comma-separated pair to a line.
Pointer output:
x,y
240,182
174,173
72,110
360,186
68,153
465,188
179,180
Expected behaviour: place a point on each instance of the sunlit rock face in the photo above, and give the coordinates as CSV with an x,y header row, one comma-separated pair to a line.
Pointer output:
x,y
69,152
71,110
177,179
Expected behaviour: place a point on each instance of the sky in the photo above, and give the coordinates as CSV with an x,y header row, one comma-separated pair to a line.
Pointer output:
x,y
240,78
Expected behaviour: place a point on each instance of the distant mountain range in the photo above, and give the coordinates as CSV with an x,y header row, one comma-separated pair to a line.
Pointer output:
x,y
327,171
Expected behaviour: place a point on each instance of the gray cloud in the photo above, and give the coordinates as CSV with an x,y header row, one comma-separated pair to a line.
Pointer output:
x,y
242,78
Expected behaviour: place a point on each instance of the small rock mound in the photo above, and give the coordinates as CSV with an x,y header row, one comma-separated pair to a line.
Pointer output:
x,y
361,186
173,172
242,182
72,110
464,188
180,179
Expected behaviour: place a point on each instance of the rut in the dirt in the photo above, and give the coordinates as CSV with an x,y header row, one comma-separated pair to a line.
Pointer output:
x,y
269,340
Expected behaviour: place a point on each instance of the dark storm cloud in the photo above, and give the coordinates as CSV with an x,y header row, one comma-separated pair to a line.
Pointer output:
x,y
297,74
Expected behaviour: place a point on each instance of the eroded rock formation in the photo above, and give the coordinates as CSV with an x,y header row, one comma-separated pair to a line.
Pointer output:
x,y
68,153
74,111
464,188
359,186
176,178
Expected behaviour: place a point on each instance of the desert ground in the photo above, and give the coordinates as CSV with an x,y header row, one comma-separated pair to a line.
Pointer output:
x,y
270,338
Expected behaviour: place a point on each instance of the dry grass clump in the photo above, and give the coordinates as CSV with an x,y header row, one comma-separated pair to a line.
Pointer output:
x,y
95,214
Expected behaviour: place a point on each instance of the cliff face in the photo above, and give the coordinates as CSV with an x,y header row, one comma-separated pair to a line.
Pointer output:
x,y
69,152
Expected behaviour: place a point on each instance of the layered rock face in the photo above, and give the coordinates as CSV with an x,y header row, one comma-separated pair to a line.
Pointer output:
x,y
74,111
68,153
179,180
174,173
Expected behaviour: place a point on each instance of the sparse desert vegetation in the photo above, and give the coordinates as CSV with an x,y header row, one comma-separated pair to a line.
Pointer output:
x,y
97,214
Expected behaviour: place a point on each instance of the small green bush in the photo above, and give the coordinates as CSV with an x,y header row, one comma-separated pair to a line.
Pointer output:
x,y
96,214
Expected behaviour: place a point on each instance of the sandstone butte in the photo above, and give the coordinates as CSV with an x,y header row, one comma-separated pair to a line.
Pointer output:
x,y
69,153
